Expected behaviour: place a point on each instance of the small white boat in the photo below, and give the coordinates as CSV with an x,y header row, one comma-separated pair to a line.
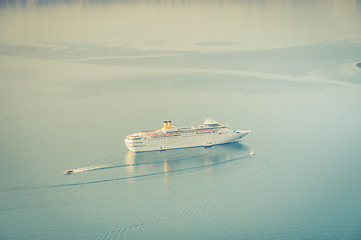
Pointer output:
x,y
68,171
251,154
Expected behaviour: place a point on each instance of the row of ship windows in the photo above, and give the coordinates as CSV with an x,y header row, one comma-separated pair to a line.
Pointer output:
x,y
175,135
130,145
131,138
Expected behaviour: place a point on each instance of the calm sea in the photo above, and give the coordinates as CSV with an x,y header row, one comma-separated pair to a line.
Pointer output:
x,y
77,76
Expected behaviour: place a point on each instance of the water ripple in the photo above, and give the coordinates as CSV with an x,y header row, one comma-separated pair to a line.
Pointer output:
x,y
226,193
147,175
111,166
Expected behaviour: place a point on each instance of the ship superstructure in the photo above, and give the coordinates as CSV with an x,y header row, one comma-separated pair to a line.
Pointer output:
x,y
169,137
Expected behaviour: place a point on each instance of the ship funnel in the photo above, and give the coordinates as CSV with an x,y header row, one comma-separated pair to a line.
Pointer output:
x,y
165,125
169,124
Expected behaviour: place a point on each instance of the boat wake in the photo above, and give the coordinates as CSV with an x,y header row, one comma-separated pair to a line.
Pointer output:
x,y
144,175
117,165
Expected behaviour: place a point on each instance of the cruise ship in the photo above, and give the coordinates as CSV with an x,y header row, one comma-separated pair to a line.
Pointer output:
x,y
170,137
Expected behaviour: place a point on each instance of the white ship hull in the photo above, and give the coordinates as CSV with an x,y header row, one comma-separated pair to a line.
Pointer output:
x,y
205,135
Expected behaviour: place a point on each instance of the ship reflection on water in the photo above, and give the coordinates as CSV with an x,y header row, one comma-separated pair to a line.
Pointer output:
x,y
147,164
129,161
184,160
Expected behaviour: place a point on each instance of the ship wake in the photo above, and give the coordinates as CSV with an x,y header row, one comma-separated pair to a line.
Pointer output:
x,y
150,174
122,165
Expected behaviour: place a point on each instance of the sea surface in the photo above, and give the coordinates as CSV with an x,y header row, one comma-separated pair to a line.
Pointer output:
x,y
76,77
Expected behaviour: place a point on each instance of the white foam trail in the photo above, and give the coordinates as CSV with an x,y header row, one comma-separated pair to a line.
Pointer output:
x,y
93,168
118,165
265,75
84,169
124,57
315,78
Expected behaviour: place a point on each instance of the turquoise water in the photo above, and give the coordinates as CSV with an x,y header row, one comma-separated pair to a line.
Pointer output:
x,y
77,77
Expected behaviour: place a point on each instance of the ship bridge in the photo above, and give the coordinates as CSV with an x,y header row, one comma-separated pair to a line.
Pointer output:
x,y
211,123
